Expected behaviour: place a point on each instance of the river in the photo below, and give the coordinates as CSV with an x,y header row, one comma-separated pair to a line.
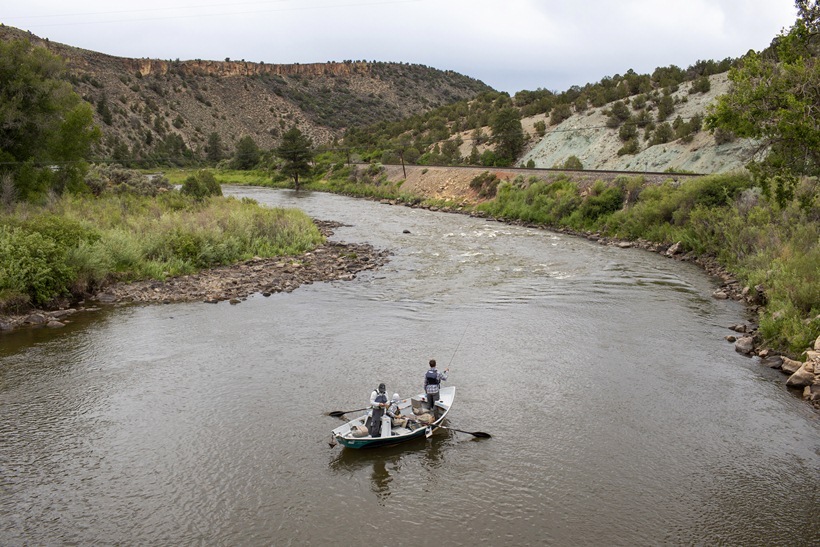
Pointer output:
x,y
619,414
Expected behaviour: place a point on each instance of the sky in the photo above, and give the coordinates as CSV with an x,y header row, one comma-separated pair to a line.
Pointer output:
x,y
510,45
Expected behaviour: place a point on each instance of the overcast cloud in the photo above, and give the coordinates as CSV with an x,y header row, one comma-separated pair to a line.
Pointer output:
x,y
510,45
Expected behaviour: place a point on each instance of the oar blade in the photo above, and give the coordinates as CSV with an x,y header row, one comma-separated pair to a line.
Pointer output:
x,y
481,434
336,413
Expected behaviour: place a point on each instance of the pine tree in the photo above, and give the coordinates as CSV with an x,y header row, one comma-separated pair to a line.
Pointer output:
x,y
295,151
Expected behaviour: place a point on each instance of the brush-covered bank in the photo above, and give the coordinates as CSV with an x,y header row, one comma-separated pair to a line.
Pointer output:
x,y
124,247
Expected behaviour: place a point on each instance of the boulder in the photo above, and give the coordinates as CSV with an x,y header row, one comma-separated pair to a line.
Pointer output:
x,y
674,249
772,361
803,377
54,324
790,366
817,344
720,295
745,345
36,319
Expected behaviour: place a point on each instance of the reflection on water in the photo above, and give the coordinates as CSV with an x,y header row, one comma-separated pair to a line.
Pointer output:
x,y
385,463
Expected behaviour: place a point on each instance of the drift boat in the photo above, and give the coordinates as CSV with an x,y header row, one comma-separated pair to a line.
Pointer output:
x,y
350,434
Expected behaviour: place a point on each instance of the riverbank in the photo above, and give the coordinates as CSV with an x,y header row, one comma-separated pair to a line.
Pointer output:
x,y
330,261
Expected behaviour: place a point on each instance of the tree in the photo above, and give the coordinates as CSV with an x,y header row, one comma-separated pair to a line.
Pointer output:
x,y
213,149
774,99
247,154
508,134
295,151
46,130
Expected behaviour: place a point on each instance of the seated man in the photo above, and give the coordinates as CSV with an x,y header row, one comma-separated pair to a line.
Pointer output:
x,y
398,420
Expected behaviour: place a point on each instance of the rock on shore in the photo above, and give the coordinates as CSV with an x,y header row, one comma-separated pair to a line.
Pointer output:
x,y
328,262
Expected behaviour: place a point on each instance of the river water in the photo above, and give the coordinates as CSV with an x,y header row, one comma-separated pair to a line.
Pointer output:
x,y
618,414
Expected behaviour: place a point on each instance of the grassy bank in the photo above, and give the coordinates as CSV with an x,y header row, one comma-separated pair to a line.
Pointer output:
x,y
77,244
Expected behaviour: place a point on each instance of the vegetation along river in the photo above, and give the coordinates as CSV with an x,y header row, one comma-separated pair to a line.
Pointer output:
x,y
618,413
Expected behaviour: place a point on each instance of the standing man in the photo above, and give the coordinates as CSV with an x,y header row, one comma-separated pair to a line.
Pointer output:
x,y
432,384
378,402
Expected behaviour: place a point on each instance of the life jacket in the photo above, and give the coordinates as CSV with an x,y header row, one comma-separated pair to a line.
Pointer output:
x,y
431,381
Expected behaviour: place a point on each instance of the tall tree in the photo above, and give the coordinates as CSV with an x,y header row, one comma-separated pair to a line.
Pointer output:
x,y
247,154
296,152
775,98
213,148
508,134
46,130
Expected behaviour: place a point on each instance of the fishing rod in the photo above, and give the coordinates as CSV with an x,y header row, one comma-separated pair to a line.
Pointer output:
x,y
458,345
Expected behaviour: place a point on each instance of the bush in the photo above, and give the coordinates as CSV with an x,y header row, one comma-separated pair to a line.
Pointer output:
x,y
663,134
629,147
560,113
573,162
486,184
618,114
628,131
701,85
32,266
602,200
201,185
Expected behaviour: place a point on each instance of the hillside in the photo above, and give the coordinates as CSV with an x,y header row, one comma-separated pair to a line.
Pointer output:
x,y
162,107
586,136
646,123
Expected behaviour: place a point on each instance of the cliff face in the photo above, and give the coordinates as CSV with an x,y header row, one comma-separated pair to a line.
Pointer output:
x,y
223,69
151,108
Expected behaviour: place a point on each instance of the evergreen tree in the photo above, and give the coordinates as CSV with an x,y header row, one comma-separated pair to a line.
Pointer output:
x,y
247,154
295,151
213,149
508,134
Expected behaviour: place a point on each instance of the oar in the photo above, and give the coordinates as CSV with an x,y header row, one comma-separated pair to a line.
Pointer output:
x,y
479,434
340,413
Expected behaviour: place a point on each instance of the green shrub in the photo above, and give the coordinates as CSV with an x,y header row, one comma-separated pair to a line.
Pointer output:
x,y
486,184
573,162
201,185
630,147
65,231
560,113
33,265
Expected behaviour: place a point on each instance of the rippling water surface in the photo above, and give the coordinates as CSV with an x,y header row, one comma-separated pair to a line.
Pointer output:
x,y
619,415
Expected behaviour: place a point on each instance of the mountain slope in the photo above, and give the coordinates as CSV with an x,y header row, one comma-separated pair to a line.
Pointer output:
x,y
140,103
